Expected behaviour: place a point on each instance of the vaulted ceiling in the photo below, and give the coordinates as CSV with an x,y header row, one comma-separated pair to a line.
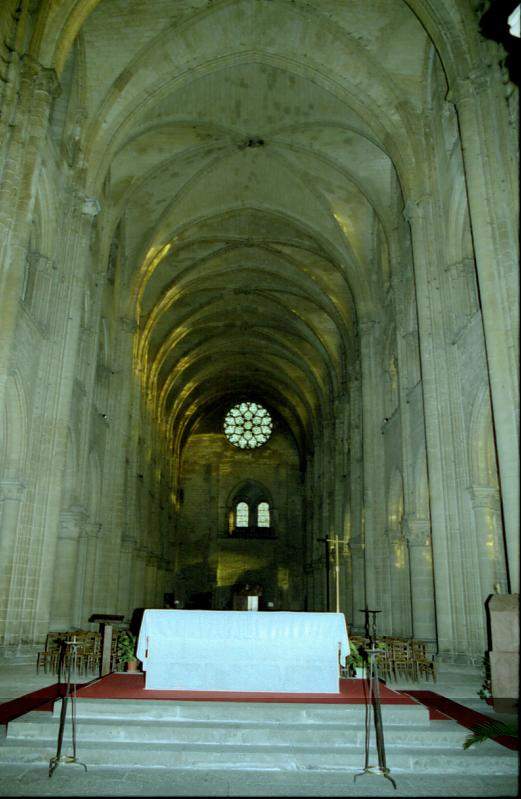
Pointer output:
x,y
256,153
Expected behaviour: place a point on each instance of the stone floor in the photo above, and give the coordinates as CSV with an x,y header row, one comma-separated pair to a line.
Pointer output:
x,y
456,682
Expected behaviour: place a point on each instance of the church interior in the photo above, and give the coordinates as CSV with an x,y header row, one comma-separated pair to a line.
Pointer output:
x,y
259,314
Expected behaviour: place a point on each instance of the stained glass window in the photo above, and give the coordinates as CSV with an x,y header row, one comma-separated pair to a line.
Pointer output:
x,y
263,515
242,515
247,425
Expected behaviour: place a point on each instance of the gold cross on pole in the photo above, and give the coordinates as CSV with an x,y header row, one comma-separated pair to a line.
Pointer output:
x,y
337,541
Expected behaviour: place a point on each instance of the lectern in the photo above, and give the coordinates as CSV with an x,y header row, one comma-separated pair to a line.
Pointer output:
x,y
106,621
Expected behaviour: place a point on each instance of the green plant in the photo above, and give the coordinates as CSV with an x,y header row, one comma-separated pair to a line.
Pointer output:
x,y
126,647
485,692
357,656
494,729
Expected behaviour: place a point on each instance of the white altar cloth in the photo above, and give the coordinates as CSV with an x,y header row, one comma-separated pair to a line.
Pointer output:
x,y
217,650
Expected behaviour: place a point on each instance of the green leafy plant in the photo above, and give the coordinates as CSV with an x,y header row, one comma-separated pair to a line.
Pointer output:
x,y
485,692
494,729
357,657
126,647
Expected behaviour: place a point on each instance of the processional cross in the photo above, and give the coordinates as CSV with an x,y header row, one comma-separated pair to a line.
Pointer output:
x,y
336,543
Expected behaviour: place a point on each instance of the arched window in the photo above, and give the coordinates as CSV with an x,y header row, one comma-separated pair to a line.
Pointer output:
x,y
250,511
242,513
263,514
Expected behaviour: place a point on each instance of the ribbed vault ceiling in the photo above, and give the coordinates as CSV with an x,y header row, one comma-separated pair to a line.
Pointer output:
x,y
255,152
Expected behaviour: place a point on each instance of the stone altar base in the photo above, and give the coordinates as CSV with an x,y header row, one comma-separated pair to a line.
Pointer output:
x,y
260,736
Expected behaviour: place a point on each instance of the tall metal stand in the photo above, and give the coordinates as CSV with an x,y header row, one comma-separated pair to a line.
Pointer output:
x,y
373,702
329,544
69,656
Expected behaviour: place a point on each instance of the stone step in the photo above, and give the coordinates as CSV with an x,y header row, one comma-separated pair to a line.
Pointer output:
x,y
241,711
41,726
488,758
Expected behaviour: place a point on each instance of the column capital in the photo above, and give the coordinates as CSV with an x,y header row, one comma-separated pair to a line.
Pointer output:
x,y
414,208
129,325
417,531
90,206
356,545
471,85
394,534
43,79
93,529
484,497
368,325
12,489
72,522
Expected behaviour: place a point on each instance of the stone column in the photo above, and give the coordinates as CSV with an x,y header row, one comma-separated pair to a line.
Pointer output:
x,y
58,369
72,523
489,540
441,455
376,573
124,596
491,192
11,496
418,532
138,578
92,542
356,548
400,611
150,580
37,89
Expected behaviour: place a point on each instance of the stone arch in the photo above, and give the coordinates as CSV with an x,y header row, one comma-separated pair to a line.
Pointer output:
x,y
482,452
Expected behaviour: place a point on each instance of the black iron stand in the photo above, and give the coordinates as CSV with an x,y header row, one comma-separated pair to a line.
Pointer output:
x,y
373,703
68,656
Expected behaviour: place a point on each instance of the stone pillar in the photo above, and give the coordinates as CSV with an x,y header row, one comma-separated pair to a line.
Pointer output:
x,y
489,540
504,656
11,496
441,455
400,610
72,523
150,580
138,578
124,597
92,541
356,548
29,123
493,217
376,572
418,532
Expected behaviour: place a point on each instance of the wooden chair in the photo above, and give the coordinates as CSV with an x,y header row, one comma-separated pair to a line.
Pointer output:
x,y
400,660
423,664
383,661
49,656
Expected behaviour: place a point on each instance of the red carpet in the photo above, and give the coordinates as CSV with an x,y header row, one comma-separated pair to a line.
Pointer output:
x,y
132,686
463,715
43,699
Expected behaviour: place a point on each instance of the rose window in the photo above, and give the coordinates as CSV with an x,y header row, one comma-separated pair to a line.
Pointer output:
x,y
247,425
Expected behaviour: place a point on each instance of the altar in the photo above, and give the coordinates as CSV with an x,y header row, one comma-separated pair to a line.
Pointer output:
x,y
217,650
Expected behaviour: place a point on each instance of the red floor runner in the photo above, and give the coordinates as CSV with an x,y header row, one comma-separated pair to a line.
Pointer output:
x,y
132,686
43,699
468,718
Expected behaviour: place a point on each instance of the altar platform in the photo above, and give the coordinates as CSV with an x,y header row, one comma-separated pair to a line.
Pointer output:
x,y
132,686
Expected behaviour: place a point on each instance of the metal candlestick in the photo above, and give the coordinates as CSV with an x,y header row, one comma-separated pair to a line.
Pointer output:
x,y
373,702
70,649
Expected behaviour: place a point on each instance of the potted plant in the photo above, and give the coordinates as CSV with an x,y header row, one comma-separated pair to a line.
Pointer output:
x,y
485,692
357,660
127,650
